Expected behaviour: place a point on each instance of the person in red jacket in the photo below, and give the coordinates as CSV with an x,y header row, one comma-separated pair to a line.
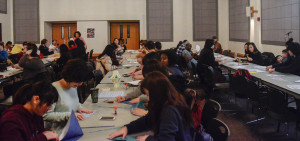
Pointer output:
x,y
23,121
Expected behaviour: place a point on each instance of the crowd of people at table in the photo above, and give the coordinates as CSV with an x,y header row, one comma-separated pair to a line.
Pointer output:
x,y
39,101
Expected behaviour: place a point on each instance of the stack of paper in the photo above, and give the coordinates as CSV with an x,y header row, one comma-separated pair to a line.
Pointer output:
x,y
135,83
294,86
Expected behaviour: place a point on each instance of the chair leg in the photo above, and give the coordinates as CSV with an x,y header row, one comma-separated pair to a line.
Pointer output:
x,y
287,128
278,126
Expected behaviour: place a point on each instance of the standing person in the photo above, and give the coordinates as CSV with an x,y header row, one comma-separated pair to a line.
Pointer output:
x,y
8,46
254,55
23,121
74,74
217,46
77,35
53,47
169,118
45,51
3,53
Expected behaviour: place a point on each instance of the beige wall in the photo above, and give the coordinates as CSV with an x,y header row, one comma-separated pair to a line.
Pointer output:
x,y
255,35
6,20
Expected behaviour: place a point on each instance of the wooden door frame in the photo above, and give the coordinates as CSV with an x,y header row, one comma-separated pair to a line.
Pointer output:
x,y
125,21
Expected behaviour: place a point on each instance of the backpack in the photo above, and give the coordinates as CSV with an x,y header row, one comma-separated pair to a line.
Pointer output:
x,y
200,135
243,73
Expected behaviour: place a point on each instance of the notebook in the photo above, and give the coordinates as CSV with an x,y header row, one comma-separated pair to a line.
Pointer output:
x,y
72,130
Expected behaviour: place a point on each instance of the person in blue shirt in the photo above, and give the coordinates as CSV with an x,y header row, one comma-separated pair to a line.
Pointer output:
x,y
3,53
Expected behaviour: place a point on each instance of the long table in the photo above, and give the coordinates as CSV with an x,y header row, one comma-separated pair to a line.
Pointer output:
x,y
275,80
103,108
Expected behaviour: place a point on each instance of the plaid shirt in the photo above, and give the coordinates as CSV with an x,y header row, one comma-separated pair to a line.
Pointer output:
x,y
180,50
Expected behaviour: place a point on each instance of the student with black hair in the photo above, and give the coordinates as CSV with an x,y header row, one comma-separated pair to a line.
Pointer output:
x,y
63,59
74,74
158,46
24,121
31,63
169,60
77,35
104,62
44,49
150,46
149,57
206,56
80,51
254,55
8,46
122,45
169,117
72,45
54,46
246,49
187,54
294,66
3,53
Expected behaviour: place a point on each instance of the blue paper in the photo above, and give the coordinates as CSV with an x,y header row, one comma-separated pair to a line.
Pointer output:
x,y
139,105
74,131
127,102
126,139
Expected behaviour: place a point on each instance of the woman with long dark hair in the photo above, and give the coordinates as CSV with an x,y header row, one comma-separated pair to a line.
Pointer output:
x,y
169,116
169,59
24,120
104,62
254,55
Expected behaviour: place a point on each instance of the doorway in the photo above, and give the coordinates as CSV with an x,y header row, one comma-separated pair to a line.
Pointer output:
x,y
63,32
128,31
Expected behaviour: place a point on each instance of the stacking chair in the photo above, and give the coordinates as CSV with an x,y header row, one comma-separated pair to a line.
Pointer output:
x,y
218,130
279,111
210,111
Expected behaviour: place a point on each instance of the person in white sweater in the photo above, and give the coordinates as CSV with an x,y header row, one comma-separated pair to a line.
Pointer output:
x,y
74,73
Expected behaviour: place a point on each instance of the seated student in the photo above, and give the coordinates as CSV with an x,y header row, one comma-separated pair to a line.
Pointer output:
x,y
45,51
246,49
54,46
63,59
72,45
206,56
122,45
24,121
283,58
294,66
8,46
217,46
181,47
158,47
169,60
254,55
74,73
31,63
137,73
3,53
150,46
169,118
104,61
187,54
80,51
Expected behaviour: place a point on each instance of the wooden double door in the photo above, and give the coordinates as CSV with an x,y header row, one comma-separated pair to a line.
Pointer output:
x,y
129,32
63,32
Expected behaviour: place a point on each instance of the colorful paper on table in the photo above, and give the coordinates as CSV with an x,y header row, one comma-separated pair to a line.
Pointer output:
x,y
253,72
135,83
72,130
127,102
111,94
126,139
139,105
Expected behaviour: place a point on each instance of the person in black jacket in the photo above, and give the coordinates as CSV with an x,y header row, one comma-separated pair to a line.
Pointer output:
x,y
294,66
254,55
44,49
207,54
246,49
169,116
